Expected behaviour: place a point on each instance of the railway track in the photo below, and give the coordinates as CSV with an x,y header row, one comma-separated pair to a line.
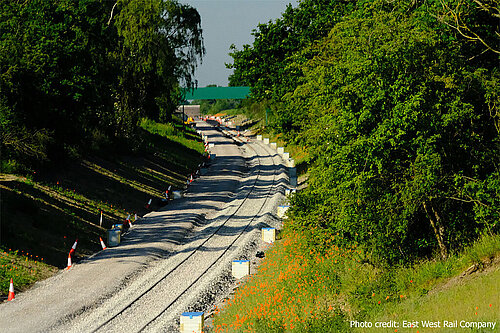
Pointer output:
x,y
154,303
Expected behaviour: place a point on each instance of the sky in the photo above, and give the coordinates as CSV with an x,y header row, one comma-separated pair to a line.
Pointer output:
x,y
226,22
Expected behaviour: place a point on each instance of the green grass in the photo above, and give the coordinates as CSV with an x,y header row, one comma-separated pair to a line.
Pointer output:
x,y
476,299
23,267
323,292
44,212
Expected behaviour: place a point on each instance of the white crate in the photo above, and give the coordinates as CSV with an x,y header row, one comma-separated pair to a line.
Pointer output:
x,y
259,137
268,235
281,150
240,268
282,210
192,322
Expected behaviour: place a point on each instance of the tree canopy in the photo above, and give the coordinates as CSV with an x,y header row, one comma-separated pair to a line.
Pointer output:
x,y
399,112
76,71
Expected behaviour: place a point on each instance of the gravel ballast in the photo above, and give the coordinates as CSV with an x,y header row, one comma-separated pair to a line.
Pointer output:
x,y
176,259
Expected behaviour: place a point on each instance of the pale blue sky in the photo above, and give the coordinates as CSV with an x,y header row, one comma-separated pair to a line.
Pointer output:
x,y
226,22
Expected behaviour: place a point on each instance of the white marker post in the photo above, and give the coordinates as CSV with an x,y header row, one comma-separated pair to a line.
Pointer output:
x,y
191,322
240,268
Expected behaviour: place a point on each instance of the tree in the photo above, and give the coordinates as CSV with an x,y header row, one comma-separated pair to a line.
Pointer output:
x,y
74,71
264,65
405,146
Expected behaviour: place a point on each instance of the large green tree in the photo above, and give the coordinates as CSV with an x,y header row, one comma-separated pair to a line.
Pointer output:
x,y
264,65
403,132
74,71
397,103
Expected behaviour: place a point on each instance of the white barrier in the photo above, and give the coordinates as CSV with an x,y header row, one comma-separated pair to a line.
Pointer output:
x,y
281,150
259,137
192,322
273,145
266,141
240,268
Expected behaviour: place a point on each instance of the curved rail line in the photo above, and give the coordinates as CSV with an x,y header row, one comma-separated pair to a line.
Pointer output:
x,y
218,258
137,298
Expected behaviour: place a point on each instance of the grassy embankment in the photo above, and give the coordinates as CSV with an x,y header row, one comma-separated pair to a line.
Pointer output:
x,y
43,213
303,289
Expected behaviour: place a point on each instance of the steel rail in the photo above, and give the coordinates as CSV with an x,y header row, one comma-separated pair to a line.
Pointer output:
x,y
218,258
145,292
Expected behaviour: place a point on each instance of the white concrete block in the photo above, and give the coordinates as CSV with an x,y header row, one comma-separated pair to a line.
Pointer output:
x,y
211,145
266,141
290,163
268,235
259,137
273,145
286,156
240,268
281,150
282,210
192,322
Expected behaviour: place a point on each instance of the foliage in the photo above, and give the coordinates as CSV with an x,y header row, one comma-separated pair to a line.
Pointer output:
x,y
399,112
264,66
300,288
75,70
297,289
23,267
213,106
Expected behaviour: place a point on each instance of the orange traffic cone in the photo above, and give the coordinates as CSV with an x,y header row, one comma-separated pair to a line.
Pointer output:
x,y
69,261
102,244
73,248
11,291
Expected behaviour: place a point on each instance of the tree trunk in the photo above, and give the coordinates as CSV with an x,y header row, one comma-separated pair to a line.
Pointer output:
x,y
437,226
